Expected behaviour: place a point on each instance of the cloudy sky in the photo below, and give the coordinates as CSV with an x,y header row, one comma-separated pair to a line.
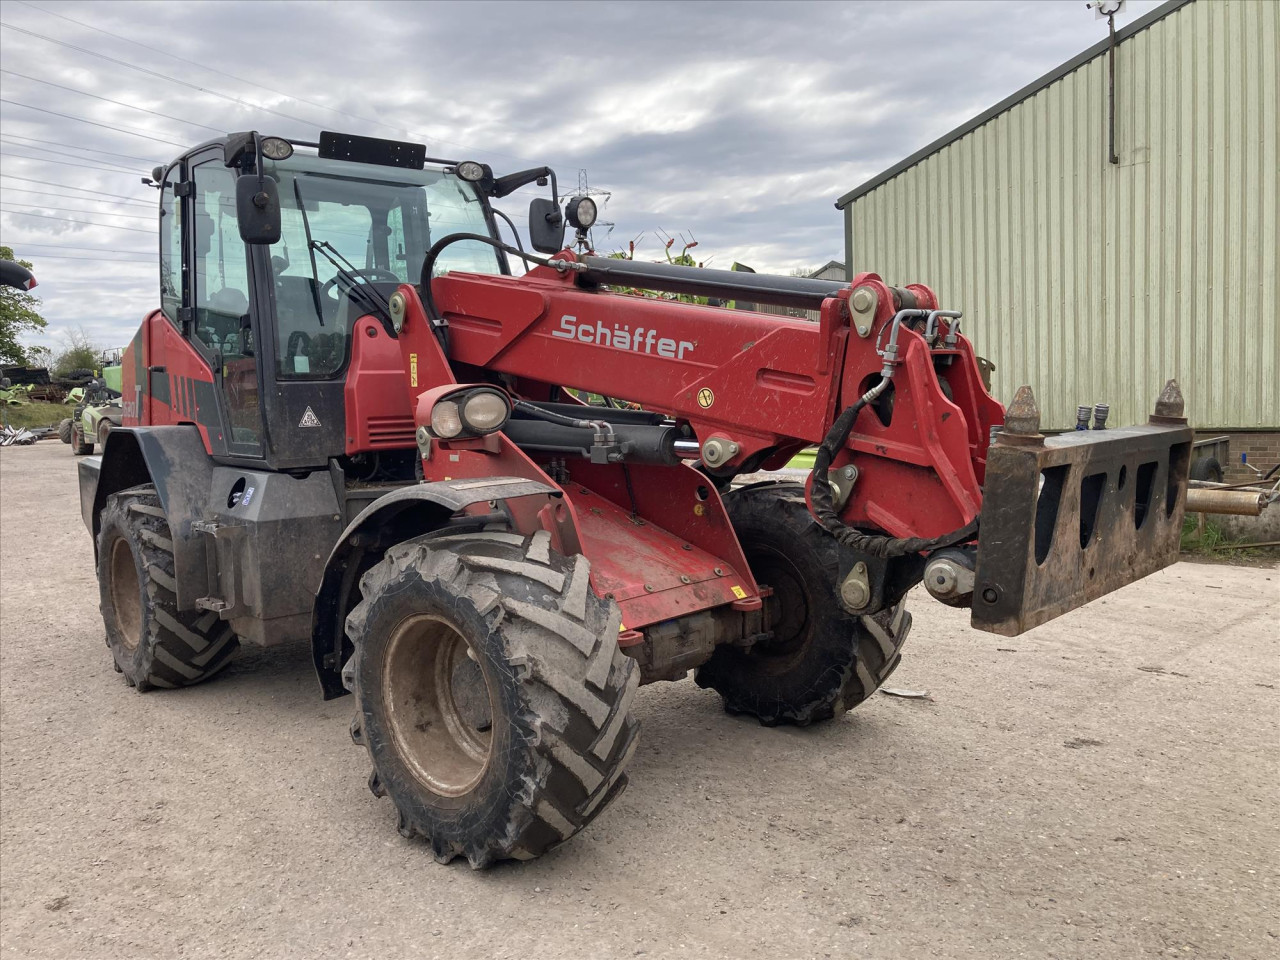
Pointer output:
x,y
738,124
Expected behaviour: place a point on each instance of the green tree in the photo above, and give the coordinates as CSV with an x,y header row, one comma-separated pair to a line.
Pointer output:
x,y
18,314
78,353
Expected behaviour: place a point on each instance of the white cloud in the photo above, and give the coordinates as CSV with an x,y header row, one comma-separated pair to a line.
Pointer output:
x,y
738,123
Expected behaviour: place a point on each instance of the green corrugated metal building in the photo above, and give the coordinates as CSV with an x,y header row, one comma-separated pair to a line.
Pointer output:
x,y
1095,281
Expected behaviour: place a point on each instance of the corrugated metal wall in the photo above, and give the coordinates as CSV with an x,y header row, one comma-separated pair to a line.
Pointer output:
x,y
1095,282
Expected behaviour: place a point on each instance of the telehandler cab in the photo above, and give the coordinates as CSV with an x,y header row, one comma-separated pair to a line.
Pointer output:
x,y
349,423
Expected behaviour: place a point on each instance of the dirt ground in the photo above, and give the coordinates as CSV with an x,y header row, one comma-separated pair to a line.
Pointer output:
x,y
1107,786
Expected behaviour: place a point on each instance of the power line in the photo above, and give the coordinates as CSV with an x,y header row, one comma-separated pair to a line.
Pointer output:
x,y
50,193
156,74
93,123
66,186
74,146
101,213
230,76
118,103
69,246
60,153
66,163
83,223
54,256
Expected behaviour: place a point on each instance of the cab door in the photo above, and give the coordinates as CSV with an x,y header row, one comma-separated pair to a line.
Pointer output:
x,y
222,317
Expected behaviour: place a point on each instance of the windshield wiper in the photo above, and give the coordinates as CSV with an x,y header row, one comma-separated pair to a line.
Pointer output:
x,y
315,274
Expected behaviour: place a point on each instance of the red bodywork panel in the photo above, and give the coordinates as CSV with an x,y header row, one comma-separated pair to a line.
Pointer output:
x,y
376,395
760,381
166,382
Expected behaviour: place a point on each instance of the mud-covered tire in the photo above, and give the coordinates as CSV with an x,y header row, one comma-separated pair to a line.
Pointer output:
x,y
151,642
64,429
551,741
824,661
79,447
104,430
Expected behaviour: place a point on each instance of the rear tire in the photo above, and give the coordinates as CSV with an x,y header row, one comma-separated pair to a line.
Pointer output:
x,y
64,430
151,642
104,428
823,660
79,447
1206,468
492,696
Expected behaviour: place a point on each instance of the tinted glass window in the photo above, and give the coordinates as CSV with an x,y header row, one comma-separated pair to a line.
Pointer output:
x,y
344,224
170,251
221,298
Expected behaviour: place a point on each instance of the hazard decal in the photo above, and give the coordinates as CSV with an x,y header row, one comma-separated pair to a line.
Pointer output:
x,y
309,419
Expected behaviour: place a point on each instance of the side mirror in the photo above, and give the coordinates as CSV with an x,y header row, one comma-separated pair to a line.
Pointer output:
x,y
19,277
258,209
546,226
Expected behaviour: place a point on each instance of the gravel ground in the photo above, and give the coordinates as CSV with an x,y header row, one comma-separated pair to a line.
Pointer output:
x,y
1105,787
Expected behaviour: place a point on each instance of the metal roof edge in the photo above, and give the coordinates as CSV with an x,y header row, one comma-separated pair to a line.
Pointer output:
x,y
1030,90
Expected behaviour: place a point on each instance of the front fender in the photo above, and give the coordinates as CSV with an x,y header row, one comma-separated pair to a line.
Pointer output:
x,y
409,512
174,459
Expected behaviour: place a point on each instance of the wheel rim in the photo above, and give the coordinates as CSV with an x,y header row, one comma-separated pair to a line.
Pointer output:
x,y
439,705
126,594
788,605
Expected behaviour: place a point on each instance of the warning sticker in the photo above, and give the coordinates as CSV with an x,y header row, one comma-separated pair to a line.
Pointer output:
x,y
309,419
706,398
738,592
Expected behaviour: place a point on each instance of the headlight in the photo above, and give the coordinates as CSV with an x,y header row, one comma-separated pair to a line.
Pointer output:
x,y
470,171
277,148
445,420
485,411
581,212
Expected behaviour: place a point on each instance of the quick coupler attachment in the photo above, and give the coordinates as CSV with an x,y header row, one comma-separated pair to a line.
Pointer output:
x,y
1068,519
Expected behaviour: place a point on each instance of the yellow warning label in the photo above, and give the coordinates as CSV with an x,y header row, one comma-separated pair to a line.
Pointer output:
x,y
705,397
413,369
622,627
738,592
699,509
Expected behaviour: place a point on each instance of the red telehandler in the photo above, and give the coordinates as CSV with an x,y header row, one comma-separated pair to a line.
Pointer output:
x,y
348,423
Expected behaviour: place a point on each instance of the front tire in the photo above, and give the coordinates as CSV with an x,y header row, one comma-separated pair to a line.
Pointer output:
x,y
151,642
79,447
492,696
823,661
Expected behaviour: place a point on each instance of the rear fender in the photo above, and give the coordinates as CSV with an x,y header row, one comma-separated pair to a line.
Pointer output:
x,y
175,460
415,511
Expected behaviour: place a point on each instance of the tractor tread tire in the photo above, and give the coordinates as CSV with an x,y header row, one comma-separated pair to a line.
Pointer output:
x,y
850,657
64,430
78,445
554,644
177,649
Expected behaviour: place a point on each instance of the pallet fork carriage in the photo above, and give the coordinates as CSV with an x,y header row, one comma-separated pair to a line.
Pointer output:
x,y
349,423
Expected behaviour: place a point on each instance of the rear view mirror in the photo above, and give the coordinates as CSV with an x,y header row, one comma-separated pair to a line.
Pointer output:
x,y
258,209
546,226
19,277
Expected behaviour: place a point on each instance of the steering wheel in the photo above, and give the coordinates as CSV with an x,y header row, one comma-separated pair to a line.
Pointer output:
x,y
374,274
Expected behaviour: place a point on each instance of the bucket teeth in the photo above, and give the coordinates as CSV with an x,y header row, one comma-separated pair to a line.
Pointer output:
x,y
1170,402
357,731
1022,419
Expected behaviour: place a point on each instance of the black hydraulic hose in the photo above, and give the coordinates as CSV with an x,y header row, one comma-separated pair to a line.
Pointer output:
x,y
514,232
429,262
876,545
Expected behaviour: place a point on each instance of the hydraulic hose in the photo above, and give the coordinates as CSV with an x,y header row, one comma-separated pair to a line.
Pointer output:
x,y
876,545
